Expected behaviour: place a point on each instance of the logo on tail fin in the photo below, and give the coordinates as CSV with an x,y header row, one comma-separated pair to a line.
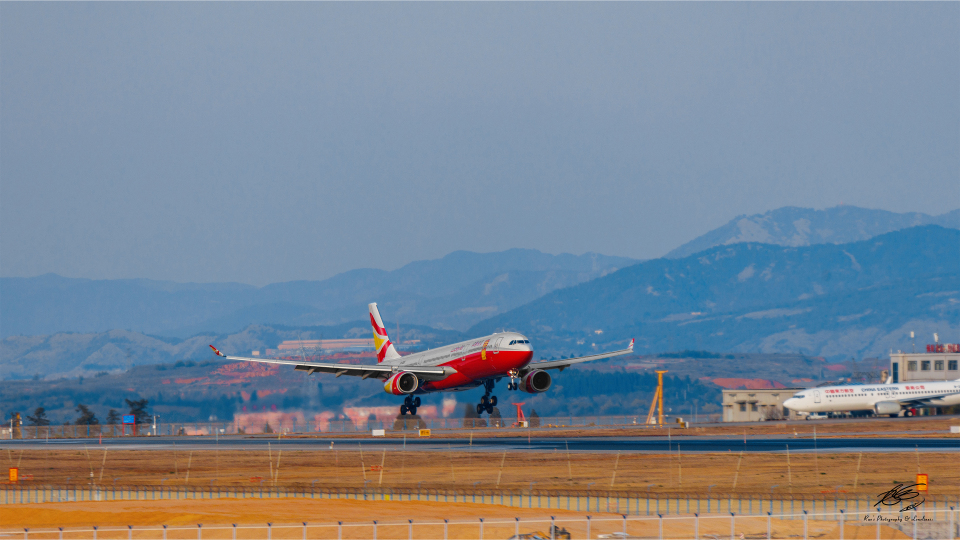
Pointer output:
x,y
385,349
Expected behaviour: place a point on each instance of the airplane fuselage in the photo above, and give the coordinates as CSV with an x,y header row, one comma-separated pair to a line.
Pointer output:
x,y
863,397
473,361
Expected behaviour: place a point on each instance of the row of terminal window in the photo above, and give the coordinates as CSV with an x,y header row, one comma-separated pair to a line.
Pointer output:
x,y
937,365
517,341
753,408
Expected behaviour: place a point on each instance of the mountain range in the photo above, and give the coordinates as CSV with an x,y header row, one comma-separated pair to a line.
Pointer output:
x,y
792,226
455,291
837,301
821,283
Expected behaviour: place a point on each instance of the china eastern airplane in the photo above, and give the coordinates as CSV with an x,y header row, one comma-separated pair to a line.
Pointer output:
x,y
878,399
479,362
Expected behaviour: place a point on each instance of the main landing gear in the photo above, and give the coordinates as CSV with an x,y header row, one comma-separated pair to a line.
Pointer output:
x,y
487,402
410,405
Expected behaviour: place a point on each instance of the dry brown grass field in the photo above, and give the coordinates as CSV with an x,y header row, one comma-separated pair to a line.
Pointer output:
x,y
806,473
391,515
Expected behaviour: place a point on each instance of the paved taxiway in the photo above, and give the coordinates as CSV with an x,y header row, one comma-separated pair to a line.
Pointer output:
x,y
517,444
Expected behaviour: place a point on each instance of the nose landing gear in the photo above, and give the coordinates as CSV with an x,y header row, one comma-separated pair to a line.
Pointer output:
x,y
514,377
410,405
487,402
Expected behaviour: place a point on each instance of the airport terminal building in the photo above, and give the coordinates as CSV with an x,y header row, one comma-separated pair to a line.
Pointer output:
x,y
938,363
757,405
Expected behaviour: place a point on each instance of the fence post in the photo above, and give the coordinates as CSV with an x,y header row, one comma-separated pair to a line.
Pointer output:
x,y
696,526
234,531
445,529
94,532
339,530
659,526
768,525
270,531
553,528
26,533
61,532
805,525
374,529
199,530
732,521
588,526
481,528
516,529
841,524
409,530
951,523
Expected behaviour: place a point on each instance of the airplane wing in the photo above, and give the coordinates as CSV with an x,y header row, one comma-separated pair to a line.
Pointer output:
x,y
379,371
567,362
925,401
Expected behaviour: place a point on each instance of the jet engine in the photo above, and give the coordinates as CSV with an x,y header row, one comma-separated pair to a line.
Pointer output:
x,y
887,407
401,383
535,382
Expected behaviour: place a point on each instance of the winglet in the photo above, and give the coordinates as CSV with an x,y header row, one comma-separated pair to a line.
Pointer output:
x,y
629,347
218,352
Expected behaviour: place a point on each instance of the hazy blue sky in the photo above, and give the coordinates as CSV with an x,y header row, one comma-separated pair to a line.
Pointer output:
x,y
263,142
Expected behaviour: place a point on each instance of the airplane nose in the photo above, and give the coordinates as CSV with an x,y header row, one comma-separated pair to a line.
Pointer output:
x,y
790,403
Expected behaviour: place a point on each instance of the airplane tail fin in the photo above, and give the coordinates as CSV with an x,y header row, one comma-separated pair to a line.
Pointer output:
x,y
385,349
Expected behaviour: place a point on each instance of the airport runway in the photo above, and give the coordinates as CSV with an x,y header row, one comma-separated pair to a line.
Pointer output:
x,y
516,444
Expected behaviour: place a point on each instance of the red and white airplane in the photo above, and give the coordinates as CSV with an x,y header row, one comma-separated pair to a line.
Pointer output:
x,y
461,366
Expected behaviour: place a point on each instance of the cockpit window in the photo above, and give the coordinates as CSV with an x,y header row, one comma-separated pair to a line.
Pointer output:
x,y
519,341
799,396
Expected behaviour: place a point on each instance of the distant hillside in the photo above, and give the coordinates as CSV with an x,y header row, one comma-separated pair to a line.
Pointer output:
x,y
792,226
453,292
827,300
72,355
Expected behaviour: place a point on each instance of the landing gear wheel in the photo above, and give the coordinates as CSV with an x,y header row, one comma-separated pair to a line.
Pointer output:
x,y
413,411
480,409
416,401
403,410
493,401
483,401
489,408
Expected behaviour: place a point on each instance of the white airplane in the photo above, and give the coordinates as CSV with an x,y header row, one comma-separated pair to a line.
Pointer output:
x,y
879,399
461,366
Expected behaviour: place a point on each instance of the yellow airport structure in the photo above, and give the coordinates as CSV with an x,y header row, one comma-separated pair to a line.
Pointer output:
x,y
657,404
